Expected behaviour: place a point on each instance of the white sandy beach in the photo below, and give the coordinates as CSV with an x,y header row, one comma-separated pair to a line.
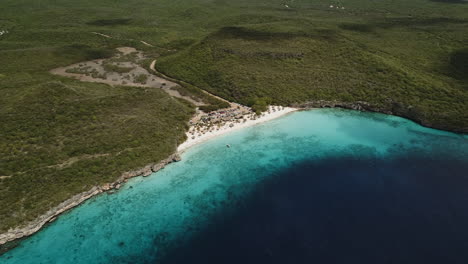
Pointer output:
x,y
236,126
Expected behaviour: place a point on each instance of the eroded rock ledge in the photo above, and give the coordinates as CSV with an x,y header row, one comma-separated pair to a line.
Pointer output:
x,y
52,214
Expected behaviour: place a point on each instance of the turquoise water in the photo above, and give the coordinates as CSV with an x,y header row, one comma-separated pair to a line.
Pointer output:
x,y
151,217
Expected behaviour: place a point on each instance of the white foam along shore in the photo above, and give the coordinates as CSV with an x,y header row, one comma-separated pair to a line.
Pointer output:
x,y
232,126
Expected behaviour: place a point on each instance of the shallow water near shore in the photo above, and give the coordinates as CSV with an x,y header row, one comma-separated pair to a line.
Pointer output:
x,y
324,186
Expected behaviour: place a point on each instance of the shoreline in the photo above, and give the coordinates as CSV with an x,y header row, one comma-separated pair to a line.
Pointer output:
x,y
226,128
395,109
30,228
50,216
17,234
36,225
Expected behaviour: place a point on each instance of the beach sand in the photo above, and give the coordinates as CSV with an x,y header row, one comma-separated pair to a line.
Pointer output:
x,y
265,116
53,213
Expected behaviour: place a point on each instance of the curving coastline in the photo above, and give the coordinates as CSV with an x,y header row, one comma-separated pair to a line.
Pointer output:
x,y
52,214
34,226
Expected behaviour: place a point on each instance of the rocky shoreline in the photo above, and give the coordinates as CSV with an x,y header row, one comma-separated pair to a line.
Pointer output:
x,y
8,239
34,226
392,108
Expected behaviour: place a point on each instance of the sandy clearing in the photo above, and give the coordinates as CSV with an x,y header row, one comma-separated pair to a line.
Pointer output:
x,y
231,126
127,78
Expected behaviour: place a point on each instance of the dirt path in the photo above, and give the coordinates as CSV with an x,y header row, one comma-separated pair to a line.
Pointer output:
x,y
72,160
100,34
200,114
141,41
153,68
146,43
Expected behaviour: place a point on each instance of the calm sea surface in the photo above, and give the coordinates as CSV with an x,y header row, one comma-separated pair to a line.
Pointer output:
x,y
320,186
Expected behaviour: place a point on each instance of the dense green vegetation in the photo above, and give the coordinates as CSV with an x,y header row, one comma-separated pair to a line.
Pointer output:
x,y
404,60
211,103
109,67
60,136
141,78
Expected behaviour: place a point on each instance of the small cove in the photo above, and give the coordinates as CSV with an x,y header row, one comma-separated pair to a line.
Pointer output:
x,y
325,185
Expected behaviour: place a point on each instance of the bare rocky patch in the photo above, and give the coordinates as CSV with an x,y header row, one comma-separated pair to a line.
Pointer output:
x,y
123,69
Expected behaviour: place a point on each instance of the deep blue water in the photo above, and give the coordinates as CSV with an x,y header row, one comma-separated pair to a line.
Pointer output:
x,y
346,210
322,186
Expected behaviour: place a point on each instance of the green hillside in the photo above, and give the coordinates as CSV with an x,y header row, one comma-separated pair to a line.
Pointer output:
x,y
60,136
410,63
